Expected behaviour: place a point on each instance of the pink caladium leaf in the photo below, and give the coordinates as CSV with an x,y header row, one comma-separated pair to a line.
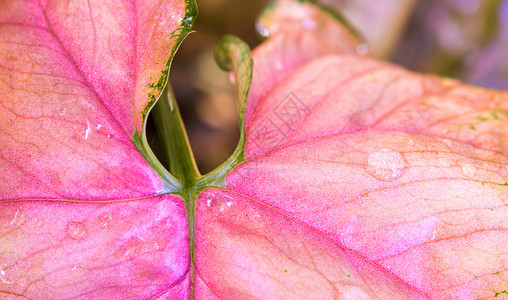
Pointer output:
x,y
353,178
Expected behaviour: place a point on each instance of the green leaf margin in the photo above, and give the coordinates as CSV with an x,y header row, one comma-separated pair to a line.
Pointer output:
x,y
170,184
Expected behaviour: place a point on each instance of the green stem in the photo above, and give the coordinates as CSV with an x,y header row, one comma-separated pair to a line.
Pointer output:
x,y
182,165
189,197
174,139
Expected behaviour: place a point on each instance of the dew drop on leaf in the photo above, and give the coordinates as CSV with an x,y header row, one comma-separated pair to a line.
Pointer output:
x,y
219,202
76,231
3,277
87,131
468,170
262,30
386,164
18,219
105,220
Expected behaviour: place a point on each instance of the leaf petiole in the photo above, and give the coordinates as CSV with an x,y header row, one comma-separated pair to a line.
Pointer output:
x,y
172,135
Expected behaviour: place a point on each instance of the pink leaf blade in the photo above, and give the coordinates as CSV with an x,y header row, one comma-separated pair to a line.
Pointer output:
x,y
265,254
52,156
407,171
373,95
116,48
57,250
300,102
78,80
425,209
297,34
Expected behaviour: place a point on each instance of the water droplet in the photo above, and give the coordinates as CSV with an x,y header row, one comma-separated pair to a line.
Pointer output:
x,y
105,220
3,277
468,170
219,202
386,164
87,130
362,49
262,30
76,231
91,106
18,219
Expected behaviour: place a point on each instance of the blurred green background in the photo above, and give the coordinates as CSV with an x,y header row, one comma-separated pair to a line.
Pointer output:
x,y
464,39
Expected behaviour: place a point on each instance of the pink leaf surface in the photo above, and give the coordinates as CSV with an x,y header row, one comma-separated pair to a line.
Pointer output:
x,y
75,80
275,256
61,250
362,180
